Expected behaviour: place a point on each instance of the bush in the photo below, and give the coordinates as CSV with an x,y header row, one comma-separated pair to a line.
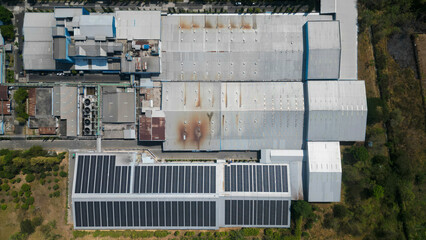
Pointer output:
x,y
29,178
57,194
55,168
301,209
27,227
189,234
161,233
63,174
27,194
177,233
30,201
55,174
18,180
42,181
3,207
247,232
18,236
360,153
25,206
14,194
37,221
340,211
5,187
56,180
55,187
25,187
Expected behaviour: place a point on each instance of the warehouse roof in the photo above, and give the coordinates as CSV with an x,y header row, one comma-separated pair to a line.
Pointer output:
x,y
65,106
38,45
192,195
233,116
138,24
232,47
337,110
97,25
118,107
323,49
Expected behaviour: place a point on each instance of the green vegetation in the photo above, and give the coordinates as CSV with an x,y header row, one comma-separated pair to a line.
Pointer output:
x,y
250,232
10,75
20,97
29,178
7,30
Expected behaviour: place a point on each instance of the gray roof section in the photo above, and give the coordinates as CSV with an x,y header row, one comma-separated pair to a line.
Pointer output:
x,y
337,110
60,48
97,25
38,56
347,15
118,107
324,49
32,19
68,12
93,48
324,172
328,6
233,116
232,47
138,24
43,102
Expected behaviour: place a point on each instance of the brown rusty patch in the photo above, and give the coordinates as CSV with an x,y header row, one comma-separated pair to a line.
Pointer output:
x,y
226,95
220,25
184,94
184,25
195,25
246,26
241,98
208,24
198,102
195,131
233,25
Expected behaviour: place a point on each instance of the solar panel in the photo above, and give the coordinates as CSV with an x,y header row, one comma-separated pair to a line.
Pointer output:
x,y
137,179
104,216
169,210
136,215
98,174
116,213
129,208
77,217
175,214
149,179
111,174
84,219
187,179
86,165
143,179
92,171
256,212
161,217
105,167
110,210
117,179
123,187
142,214
97,210
255,178
79,172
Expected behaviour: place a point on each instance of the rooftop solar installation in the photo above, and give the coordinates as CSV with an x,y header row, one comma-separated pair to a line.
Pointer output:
x,y
145,214
175,179
256,178
257,213
99,174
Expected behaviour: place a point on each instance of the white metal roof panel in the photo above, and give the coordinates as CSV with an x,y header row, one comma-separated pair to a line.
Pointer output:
x,y
68,12
337,110
328,6
97,25
138,24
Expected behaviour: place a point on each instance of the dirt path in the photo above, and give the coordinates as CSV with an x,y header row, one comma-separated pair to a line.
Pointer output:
x,y
366,66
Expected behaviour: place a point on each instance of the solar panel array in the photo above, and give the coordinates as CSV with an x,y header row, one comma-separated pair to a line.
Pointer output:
x,y
145,214
99,174
175,179
256,212
256,178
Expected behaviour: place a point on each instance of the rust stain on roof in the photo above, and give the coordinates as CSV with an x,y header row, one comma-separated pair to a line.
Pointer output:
x,y
193,130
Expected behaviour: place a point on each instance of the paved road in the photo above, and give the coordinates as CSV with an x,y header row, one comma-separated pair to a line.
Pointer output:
x,y
120,145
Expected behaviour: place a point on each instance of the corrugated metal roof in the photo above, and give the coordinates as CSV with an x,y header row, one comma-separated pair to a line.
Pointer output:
x,y
47,130
118,107
230,47
38,45
97,25
5,107
324,49
324,172
347,15
68,108
138,24
3,93
328,6
233,116
337,110
151,128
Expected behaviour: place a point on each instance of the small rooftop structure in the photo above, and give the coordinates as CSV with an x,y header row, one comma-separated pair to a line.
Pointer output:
x,y
5,108
152,126
97,25
328,6
118,107
324,172
323,53
133,25
4,95
69,12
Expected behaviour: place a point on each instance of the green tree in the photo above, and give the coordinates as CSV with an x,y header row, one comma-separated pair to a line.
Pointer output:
x,y
8,32
5,16
63,174
301,209
27,227
25,188
340,211
30,177
20,95
360,153
5,187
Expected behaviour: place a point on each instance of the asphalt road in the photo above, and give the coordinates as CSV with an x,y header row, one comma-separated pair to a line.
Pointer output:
x,y
120,145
